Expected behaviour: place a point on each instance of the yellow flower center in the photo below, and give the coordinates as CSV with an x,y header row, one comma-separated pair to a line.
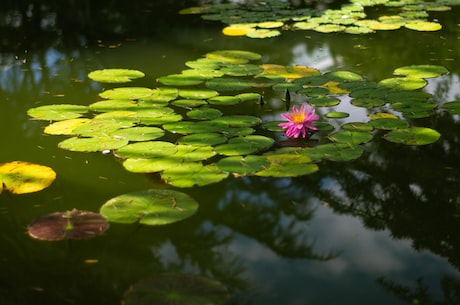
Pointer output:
x,y
298,117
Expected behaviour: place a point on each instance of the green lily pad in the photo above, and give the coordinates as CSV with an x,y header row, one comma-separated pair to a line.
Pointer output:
x,y
453,107
203,139
204,113
329,28
388,123
324,101
100,128
413,136
189,103
350,137
115,75
203,73
115,105
197,93
337,115
189,174
65,127
138,133
233,56
187,152
20,177
243,166
241,70
150,165
73,224
262,33
357,126
288,165
178,289
228,84
92,144
423,26
162,95
127,93
421,71
181,80
367,102
187,127
313,91
224,100
143,150
343,76
403,83
204,64
57,112
238,120
150,207
273,71
244,145
338,152
248,96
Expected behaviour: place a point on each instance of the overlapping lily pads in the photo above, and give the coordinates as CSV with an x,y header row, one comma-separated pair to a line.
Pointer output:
x,y
200,134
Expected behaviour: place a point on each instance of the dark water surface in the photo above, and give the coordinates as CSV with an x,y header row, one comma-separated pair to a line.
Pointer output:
x,y
379,230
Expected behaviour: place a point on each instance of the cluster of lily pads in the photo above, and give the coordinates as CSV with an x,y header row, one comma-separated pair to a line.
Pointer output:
x,y
267,18
180,130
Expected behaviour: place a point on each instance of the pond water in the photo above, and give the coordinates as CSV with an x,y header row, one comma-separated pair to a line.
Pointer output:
x,y
381,229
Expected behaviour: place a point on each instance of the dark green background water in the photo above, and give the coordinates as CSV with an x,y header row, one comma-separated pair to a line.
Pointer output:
x,y
344,235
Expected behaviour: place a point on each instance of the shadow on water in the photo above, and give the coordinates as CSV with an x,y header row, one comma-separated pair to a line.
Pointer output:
x,y
350,233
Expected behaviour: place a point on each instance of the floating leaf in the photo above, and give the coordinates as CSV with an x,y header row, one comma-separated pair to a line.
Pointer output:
x,y
423,26
196,127
178,289
343,76
452,107
367,102
350,137
92,144
65,127
203,139
413,136
147,150
234,56
245,145
57,112
73,224
241,70
189,103
403,83
324,101
421,71
138,133
357,126
388,123
335,152
236,30
243,165
115,75
262,33
198,93
288,165
238,120
204,113
181,80
224,100
150,207
128,93
193,173
337,115
329,28
286,72
20,177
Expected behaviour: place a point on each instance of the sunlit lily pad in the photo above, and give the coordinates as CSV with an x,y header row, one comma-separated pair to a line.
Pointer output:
x,y
188,127
238,120
243,165
197,93
189,174
100,128
115,75
224,100
350,136
189,103
73,224
236,30
203,73
367,102
130,93
286,72
150,165
115,105
421,71
92,144
403,83
57,112
241,70
20,177
233,56
423,26
329,28
288,165
177,289
343,76
262,33
413,136
147,150
138,133
65,127
181,80
150,207
337,115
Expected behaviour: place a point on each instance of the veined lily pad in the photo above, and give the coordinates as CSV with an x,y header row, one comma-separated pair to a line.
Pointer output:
x,y
286,72
324,101
189,103
189,174
423,26
65,127
238,120
181,80
92,144
197,93
337,115
73,224
203,73
241,70
413,136
262,33
162,95
367,102
335,152
357,126
224,100
243,165
100,128
187,127
115,105
129,93
144,150
233,56
57,112
288,165
343,76
421,71
177,289
150,207
350,137
20,177
115,75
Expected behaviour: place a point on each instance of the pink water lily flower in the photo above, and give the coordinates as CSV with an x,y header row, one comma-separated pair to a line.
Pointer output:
x,y
300,121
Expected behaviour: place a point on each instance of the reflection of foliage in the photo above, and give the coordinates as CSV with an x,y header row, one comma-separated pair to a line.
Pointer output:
x,y
420,295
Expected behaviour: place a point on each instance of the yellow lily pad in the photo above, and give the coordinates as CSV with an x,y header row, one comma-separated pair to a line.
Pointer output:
x,y
20,177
